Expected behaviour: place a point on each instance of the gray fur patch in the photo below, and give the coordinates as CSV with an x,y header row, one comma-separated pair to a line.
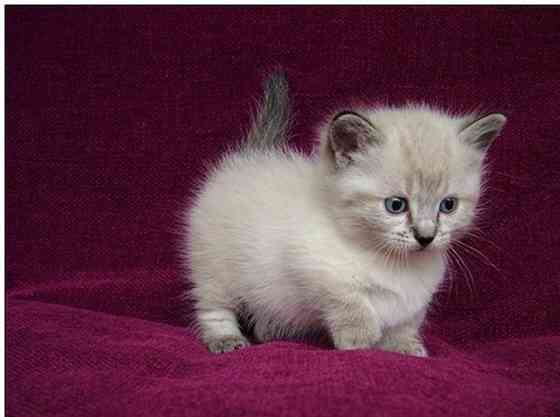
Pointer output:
x,y
271,123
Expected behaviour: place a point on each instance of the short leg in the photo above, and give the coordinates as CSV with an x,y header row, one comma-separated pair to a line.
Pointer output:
x,y
263,331
353,323
405,338
220,330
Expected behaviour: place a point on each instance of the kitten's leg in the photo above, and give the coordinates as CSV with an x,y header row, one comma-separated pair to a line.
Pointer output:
x,y
405,338
263,331
220,330
353,323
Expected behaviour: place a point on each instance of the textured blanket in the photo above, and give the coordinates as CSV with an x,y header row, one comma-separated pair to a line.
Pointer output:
x,y
112,114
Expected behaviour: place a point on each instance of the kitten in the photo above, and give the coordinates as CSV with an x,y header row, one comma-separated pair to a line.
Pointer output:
x,y
351,239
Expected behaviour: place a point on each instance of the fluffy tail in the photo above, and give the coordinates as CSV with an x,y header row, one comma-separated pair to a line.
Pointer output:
x,y
271,123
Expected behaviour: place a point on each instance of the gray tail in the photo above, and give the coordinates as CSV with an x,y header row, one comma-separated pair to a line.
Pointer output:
x,y
271,122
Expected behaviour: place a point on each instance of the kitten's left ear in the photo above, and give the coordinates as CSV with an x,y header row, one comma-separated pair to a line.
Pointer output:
x,y
482,132
351,133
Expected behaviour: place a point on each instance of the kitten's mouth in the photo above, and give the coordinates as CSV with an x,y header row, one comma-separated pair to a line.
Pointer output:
x,y
424,249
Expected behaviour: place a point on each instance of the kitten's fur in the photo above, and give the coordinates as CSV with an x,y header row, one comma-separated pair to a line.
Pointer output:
x,y
302,243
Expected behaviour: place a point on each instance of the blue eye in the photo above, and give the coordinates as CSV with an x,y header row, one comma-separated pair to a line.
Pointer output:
x,y
448,205
396,205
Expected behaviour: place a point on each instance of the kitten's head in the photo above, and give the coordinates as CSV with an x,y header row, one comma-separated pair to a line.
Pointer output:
x,y
406,179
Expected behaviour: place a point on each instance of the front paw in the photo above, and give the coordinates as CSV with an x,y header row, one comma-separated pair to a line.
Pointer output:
x,y
225,344
407,346
355,338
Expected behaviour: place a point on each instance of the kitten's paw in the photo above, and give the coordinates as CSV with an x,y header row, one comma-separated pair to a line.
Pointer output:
x,y
353,338
227,344
410,346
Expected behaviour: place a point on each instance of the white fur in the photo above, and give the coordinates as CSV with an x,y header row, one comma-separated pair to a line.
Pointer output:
x,y
301,245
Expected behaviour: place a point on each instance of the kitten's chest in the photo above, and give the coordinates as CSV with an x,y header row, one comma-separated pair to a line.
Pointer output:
x,y
397,295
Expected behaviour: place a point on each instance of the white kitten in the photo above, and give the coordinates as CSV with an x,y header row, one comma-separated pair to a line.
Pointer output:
x,y
351,240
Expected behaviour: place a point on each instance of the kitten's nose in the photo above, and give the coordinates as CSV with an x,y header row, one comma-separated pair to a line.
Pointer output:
x,y
423,240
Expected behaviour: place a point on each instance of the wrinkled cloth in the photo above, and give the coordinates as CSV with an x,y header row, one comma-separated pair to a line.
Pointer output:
x,y
112,115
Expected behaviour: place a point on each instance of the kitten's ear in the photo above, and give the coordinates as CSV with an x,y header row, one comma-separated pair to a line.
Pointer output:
x,y
350,133
482,132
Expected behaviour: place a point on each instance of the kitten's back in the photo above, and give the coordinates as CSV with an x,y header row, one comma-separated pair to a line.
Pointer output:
x,y
245,199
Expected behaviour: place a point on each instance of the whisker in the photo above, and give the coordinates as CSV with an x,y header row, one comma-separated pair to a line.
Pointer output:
x,y
477,252
450,277
483,238
469,279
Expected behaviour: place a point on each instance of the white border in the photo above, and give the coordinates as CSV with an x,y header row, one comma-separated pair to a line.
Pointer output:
x,y
2,215
272,2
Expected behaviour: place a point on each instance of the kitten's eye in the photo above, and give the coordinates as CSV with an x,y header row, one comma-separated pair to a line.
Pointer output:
x,y
396,205
448,205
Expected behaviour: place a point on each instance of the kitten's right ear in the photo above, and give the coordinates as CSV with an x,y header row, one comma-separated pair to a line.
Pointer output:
x,y
349,134
482,132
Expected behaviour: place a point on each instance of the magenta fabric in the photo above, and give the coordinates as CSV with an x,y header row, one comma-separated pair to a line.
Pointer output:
x,y
112,113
